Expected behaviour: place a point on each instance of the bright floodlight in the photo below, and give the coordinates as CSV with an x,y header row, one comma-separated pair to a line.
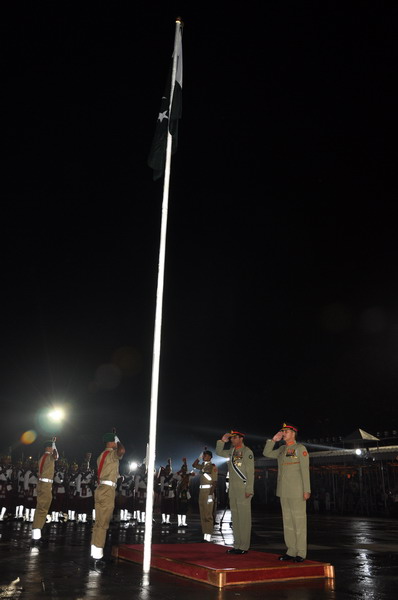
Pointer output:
x,y
133,466
358,452
56,415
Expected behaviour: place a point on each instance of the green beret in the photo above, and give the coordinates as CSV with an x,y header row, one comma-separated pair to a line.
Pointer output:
x,y
108,437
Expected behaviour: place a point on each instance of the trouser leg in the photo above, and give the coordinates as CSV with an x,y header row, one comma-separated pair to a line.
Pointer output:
x,y
235,520
299,512
243,505
206,512
44,497
295,526
104,506
241,518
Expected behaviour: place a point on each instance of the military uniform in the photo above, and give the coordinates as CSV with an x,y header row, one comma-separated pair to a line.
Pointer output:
x,y
125,496
183,495
167,486
104,497
71,489
44,489
84,492
207,486
19,492
6,490
30,489
59,503
140,491
241,484
293,482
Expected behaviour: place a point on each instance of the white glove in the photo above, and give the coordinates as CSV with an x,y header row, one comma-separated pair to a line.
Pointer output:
x,y
117,439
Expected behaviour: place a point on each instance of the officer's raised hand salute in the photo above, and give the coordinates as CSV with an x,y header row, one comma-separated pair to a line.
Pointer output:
x,y
241,487
107,474
293,489
277,437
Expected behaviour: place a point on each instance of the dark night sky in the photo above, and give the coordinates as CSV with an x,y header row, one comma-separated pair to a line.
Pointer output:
x,y
281,293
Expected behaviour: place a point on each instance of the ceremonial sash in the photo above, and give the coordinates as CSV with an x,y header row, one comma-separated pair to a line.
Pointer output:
x,y
43,460
237,470
105,454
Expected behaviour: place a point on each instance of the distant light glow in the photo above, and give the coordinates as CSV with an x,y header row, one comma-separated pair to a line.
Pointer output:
x,y
133,466
358,452
56,415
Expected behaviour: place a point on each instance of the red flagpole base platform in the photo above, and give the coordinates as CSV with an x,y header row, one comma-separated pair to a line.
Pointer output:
x,y
209,563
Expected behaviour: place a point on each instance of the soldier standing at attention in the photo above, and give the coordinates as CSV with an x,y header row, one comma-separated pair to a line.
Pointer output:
x,y
183,495
207,486
241,488
140,491
84,490
167,495
44,487
30,489
293,489
71,478
20,496
104,498
59,504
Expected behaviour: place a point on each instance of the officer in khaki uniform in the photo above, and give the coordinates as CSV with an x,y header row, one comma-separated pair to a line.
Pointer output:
x,y
207,487
44,488
241,488
293,489
104,497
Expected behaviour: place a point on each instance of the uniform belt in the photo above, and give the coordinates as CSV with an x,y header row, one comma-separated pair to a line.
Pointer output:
x,y
205,487
105,482
45,480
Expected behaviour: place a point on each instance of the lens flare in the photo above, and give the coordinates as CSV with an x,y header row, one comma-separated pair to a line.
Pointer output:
x,y
28,437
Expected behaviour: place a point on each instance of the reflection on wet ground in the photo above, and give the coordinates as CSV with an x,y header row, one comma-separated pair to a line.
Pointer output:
x,y
363,551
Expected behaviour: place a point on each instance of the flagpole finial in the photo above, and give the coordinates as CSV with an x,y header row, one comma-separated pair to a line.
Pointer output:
x,y
179,20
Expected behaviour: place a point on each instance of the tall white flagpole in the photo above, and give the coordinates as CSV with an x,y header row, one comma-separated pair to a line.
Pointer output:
x,y
158,326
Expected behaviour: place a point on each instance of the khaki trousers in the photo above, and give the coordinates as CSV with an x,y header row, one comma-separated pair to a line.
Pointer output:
x,y
206,511
44,498
294,513
104,504
241,511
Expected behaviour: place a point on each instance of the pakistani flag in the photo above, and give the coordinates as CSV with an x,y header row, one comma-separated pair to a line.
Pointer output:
x,y
167,122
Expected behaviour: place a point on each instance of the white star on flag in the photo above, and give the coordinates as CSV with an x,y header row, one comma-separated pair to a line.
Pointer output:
x,y
163,115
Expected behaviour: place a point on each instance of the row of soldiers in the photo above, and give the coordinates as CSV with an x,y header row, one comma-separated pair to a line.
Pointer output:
x,y
73,490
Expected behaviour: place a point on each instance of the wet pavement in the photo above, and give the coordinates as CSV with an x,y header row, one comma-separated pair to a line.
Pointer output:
x,y
364,552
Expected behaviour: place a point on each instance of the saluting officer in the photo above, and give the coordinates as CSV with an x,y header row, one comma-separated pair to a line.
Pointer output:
x,y
44,487
108,474
241,487
207,486
293,489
